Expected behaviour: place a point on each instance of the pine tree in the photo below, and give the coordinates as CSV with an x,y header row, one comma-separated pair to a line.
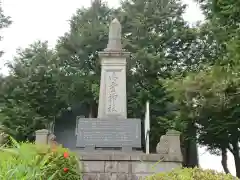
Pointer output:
x,y
160,42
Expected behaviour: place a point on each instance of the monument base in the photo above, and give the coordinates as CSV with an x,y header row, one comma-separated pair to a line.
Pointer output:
x,y
108,165
117,165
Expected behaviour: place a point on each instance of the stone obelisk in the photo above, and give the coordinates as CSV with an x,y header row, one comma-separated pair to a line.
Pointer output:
x,y
112,97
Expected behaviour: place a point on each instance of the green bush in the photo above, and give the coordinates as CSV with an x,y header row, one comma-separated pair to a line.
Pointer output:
x,y
26,161
63,163
22,162
191,174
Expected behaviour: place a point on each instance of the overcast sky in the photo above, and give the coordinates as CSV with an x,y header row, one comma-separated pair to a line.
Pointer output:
x,y
48,19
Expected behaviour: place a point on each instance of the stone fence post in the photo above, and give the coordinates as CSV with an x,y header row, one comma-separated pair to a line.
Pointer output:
x,y
42,136
170,144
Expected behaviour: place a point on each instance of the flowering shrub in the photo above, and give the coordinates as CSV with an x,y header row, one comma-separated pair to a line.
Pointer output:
x,y
63,163
191,174
28,161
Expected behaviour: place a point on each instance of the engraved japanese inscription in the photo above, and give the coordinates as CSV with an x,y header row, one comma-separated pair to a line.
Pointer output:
x,y
112,96
109,132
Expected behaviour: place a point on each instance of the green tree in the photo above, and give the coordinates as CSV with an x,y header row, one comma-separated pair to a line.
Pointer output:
x,y
211,97
215,90
224,17
32,92
162,46
78,54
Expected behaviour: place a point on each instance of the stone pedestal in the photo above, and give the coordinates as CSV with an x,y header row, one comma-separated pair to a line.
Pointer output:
x,y
123,166
105,165
170,144
42,136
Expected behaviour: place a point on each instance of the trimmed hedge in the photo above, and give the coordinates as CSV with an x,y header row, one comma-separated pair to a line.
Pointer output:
x,y
192,174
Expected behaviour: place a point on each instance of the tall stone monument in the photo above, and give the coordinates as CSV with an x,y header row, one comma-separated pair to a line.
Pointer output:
x,y
112,97
112,129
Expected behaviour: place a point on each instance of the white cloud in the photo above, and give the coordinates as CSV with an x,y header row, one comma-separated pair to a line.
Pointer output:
x,y
47,20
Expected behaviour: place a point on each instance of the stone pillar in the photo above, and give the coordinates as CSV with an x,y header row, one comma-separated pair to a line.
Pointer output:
x,y
42,136
112,97
170,144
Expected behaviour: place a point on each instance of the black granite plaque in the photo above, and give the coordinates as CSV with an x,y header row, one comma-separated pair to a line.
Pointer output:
x,y
108,133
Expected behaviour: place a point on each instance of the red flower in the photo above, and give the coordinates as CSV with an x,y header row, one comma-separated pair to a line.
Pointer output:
x,y
65,169
65,155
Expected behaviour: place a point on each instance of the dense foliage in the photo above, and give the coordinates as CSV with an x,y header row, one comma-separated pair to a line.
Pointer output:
x,y
29,161
210,98
33,99
77,53
159,39
191,174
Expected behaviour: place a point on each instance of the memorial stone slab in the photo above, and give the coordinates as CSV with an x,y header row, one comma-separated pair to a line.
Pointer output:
x,y
109,133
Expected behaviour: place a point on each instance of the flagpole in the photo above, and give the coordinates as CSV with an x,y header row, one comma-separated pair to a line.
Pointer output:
x,y
147,127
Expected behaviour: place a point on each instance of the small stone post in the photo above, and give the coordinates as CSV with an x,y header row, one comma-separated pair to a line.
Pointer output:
x,y
170,144
42,136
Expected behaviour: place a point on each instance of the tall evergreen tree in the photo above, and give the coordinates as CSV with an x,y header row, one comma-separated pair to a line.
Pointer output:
x,y
31,97
78,53
212,95
161,44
